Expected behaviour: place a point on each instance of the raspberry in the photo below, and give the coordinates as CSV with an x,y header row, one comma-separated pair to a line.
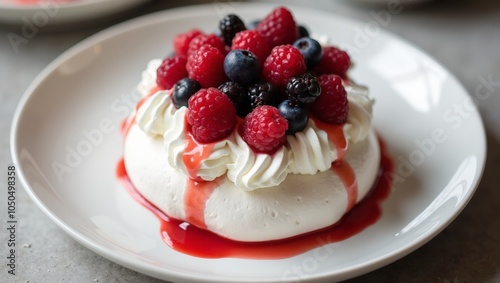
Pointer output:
x,y
181,41
206,66
303,89
334,61
264,129
279,27
171,71
204,39
229,26
331,106
284,62
252,41
211,115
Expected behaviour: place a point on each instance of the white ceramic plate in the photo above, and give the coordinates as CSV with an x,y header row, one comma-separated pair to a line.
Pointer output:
x,y
70,116
53,12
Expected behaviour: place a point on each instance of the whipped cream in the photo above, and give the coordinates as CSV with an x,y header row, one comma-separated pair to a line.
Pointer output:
x,y
300,204
307,152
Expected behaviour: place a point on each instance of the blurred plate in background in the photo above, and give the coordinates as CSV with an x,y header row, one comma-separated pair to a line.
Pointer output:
x,y
43,13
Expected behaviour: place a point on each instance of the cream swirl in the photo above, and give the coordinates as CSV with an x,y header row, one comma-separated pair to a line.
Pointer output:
x,y
148,78
310,151
156,113
159,116
307,152
250,171
359,119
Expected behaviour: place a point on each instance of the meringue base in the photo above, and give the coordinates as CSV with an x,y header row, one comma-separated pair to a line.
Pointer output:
x,y
300,204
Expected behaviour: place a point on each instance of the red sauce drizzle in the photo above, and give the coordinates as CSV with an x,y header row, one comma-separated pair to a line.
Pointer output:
x,y
347,176
194,153
191,240
195,200
335,134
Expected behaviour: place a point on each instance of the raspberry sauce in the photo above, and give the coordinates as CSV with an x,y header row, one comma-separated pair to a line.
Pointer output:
x,y
335,134
191,240
348,178
194,153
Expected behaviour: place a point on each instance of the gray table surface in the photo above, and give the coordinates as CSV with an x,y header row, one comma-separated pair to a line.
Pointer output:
x,y
462,35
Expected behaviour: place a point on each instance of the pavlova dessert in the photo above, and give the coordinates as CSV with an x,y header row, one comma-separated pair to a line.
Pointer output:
x,y
255,134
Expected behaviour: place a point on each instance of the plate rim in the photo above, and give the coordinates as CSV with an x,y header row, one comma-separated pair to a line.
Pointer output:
x,y
154,271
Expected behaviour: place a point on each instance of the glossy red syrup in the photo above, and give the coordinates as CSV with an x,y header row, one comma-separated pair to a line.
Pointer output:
x,y
348,178
189,239
335,134
194,153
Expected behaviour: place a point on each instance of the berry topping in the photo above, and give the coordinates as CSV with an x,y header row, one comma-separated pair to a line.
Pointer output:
x,y
238,96
171,70
284,62
206,66
183,90
211,115
295,114
252,41
206,39
242,66
181,41
332,105
279,27
229,26
263,94
303,32
310,49
303,89
334,61
264,129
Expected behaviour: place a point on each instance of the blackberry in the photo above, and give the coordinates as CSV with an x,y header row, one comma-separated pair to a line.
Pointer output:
x,y
183,90
263,94
238,96
229,26
303,32
303,89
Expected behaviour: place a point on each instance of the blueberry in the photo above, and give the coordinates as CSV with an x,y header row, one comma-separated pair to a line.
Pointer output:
x,y
311,49
295,114
183,90
242,66
303,32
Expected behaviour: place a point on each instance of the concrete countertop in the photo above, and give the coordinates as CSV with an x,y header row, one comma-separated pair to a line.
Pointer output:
x,y
462,35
